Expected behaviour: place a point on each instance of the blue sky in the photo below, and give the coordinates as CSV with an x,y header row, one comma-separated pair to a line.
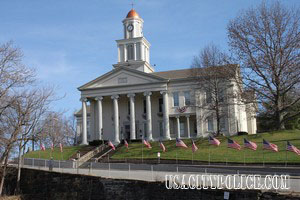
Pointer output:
x,y
71,42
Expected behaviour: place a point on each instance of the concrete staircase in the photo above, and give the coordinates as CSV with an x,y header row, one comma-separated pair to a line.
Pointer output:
x,y
88,154
105,154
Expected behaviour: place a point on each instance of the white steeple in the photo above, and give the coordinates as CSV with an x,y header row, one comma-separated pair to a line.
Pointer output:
x,y
134,49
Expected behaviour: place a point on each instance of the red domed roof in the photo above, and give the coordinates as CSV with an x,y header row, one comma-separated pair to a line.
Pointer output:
x,y
132,14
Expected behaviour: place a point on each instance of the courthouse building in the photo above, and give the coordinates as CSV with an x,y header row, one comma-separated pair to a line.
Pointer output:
x,y
132,101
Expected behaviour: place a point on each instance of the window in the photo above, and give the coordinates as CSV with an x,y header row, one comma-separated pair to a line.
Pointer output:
x,y
222,124
221,95
161,129
130,52
144,106
128,107
210,124
160,105
187,98
122,80
88,130
145,131
175,99
208,97
182,129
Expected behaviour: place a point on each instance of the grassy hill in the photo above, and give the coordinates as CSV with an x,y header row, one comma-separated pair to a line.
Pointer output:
x,y
68,151
220,153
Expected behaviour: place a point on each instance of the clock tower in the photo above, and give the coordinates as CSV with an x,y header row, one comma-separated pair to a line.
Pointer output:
x,y
134,49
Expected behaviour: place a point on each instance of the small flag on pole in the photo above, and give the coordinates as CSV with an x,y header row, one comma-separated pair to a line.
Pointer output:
x,y
42,147
292,148
126,144
148,145
269,146
180,143
111,145
61,147
52,146
250,145
194,147
233,144
162,146
214,141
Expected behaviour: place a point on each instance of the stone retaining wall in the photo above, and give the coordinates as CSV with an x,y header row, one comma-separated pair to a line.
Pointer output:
x,y
37,184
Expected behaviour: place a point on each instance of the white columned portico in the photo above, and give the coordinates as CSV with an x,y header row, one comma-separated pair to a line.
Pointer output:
x,y
188,126
132,116
84,121
116,118
148,114
178,126
100,118
166,115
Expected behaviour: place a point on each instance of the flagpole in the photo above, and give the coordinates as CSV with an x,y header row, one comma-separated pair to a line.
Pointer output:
x,y
227,156
244,157
263,157
192,157
286,155
142,150
209,155
176,157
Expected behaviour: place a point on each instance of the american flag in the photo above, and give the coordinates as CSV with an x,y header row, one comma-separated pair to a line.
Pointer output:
x,y
250,145
269,146
292,148
214,141
42,147
148,145
126,144
111,145
194,147
180,143
162,146
61,147
233,144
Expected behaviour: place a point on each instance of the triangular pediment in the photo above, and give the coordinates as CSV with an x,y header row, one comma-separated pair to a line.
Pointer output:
x,y
121,77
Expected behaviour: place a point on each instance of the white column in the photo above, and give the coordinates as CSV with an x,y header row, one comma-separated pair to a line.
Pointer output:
x,y
119,54
132,116
84,121
116,118
148,115
143,52
178,126
188,126
166,115
125,52
100,118
134,52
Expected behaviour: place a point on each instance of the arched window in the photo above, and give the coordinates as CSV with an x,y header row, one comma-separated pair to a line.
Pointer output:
x,y
130,52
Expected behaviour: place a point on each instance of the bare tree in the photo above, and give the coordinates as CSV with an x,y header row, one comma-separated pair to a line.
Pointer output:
x,y
56,128
19,121
22,105
214,75
266,40
13,74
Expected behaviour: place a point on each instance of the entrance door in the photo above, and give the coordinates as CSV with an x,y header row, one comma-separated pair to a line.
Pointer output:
x,y
127,132
182,129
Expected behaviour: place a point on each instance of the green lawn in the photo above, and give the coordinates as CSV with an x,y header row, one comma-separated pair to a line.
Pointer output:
x,y
68,151
220,153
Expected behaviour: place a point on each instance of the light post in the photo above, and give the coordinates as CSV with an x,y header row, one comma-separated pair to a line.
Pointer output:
x,y
19,158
